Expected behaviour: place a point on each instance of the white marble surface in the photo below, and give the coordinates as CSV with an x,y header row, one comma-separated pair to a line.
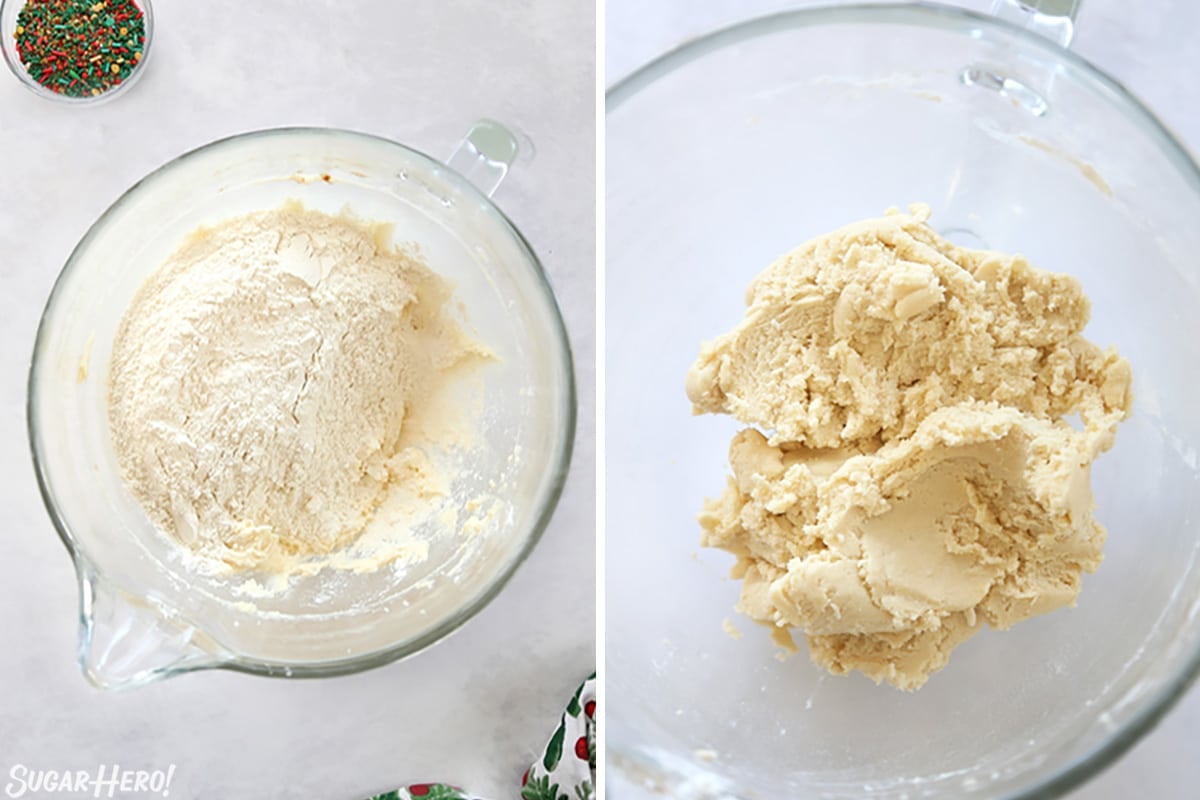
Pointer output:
x,y
474,709
1150,48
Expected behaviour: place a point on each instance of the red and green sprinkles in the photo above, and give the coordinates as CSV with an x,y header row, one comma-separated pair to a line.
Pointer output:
x,y
79,48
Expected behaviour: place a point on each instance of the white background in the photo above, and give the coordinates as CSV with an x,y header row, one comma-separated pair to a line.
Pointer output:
x,y
1148,46
475,709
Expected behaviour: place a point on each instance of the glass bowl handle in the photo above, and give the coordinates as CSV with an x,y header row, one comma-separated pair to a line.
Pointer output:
x,y
1054,19
486,153
1051,19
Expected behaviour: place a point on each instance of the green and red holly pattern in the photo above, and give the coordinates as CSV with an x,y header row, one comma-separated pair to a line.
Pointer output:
x,y
563,774
566,770
426,791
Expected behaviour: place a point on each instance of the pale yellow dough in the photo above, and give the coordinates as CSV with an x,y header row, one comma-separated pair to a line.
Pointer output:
x,y
914,476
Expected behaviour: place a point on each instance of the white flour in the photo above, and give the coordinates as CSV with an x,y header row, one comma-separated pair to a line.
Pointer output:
x,y
261,379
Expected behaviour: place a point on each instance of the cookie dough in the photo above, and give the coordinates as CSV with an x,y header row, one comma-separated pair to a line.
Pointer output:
x,y
910,473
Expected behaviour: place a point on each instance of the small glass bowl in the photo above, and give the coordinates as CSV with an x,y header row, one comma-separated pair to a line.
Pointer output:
x,y
9,9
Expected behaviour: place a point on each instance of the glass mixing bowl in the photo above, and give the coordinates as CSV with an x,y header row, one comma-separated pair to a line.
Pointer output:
x,y
741,145
145,613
